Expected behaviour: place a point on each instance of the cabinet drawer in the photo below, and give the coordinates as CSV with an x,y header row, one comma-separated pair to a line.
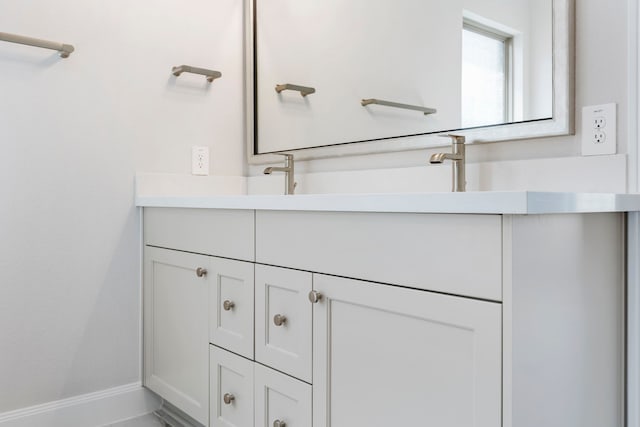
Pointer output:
x,y
283,320
279,397
231,389
454,254
219,232
231,305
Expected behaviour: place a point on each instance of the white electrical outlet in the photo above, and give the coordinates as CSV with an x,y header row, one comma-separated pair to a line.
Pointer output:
x,y
599,130
200,160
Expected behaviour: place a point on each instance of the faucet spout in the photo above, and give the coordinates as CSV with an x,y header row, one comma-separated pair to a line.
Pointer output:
x,y
271,169
457,156
441,157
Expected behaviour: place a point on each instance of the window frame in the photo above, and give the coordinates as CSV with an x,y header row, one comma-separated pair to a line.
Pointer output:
x,y
508,43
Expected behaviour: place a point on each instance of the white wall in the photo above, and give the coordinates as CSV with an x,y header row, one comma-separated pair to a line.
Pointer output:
x,y
601,77
73,132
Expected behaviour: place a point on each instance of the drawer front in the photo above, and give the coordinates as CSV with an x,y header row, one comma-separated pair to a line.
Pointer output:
x,y
219,232
280,399
231,389
283,320
455,254
231,305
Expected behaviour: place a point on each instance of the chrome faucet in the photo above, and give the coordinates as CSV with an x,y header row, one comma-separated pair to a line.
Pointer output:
x,y
289,182
457,156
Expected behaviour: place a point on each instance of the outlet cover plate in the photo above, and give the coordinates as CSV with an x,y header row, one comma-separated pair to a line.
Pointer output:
x,y
199,160
599,134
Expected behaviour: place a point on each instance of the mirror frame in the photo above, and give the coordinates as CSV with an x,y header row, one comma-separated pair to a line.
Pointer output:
x,y
562,122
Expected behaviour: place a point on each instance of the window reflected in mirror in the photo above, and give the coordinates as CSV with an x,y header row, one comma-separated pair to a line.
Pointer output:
x,y
486,80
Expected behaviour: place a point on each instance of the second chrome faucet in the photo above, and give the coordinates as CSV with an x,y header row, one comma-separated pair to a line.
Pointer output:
x,y
457,156
290,184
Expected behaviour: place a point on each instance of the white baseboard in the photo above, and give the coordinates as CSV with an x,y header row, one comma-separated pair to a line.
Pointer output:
x,y
101,408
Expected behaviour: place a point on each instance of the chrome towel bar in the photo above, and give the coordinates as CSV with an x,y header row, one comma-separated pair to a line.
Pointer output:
x,y
210,74
64,49
425,110
304,90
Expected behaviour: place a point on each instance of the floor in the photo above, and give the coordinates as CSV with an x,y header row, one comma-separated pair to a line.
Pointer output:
x,y
148,420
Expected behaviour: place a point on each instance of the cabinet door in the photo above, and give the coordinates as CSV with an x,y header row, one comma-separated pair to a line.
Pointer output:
x,y
231,306
231,389
283,320
280,400
175,329
386,356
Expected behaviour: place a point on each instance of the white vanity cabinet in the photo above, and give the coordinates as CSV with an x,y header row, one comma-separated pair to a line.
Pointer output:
x,y
352,318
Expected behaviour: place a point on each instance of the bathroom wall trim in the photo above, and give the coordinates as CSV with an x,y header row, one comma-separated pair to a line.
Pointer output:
x,y
100,408
633,223
633,77
633,320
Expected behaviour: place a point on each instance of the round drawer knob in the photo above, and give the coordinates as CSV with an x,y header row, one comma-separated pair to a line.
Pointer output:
x,y
201,272
278,423
228,398
315,296
279,319
228,305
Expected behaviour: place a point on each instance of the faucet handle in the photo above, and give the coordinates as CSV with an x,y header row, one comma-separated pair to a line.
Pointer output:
x,y
456,139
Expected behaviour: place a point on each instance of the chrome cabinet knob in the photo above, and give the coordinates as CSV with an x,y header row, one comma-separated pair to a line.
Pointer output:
x,y
228,398
279,319
278,423
228,305
315,296
201,272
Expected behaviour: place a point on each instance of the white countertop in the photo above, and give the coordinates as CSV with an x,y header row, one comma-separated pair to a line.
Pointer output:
x,y
491,202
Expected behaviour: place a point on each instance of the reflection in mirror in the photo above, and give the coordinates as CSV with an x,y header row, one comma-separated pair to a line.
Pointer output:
x,y
506,64
477,63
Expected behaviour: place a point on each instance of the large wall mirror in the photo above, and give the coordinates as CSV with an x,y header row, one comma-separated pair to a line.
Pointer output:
x,y
339,77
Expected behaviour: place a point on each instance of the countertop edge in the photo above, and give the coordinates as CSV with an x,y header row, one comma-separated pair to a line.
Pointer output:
x,y
517,202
